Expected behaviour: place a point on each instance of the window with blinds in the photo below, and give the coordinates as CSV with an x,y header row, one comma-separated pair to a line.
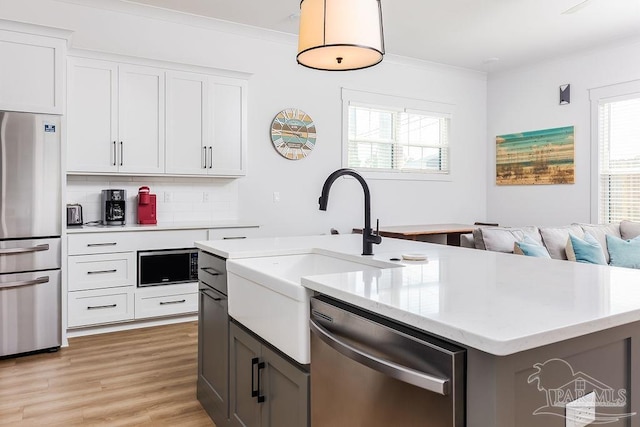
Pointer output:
x,y
619,159
389,139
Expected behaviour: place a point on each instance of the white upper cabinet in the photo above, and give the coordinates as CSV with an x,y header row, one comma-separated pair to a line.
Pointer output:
x,y
115,118
143,120
188,123
229,113
32,67
92,110
206,125
140,119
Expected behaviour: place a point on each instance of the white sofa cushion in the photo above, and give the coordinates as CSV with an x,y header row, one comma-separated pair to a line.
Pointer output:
x,y
629,230
502,239
555,239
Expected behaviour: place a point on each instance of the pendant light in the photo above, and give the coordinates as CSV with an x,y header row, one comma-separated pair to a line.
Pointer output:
x,y
340,35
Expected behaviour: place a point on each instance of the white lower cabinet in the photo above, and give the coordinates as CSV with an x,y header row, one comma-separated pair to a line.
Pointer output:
x,y
102,271
100,306
103,275
167,300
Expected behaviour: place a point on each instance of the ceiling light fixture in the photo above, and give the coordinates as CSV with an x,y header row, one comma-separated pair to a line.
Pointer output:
x,y
340,35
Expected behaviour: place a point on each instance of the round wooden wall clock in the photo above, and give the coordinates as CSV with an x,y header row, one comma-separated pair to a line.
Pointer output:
x,y
293,134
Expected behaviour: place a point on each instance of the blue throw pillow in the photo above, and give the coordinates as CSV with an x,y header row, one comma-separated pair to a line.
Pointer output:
x,y
530,247
624,253
587,250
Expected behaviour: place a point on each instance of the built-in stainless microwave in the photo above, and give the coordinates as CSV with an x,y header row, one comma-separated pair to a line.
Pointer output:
x,y
167,267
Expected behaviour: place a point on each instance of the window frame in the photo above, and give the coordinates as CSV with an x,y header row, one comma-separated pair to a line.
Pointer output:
x,y
598,96
398,104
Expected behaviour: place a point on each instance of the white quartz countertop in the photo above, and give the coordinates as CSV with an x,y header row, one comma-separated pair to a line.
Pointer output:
x,y
98,228
494,302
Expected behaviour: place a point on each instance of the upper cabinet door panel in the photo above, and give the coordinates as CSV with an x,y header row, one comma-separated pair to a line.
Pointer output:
x,y
31,72
187,123
229,107
92,116
141,119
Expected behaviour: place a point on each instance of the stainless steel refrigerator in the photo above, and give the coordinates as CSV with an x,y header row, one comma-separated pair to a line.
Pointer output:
x,y
30,229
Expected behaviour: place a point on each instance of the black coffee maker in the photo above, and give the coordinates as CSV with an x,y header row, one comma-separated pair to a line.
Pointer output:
x,y
113,207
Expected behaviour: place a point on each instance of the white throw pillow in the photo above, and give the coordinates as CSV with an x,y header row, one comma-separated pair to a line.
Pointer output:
x,y
555,239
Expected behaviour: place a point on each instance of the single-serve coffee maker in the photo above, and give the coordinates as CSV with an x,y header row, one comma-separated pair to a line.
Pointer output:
x,y
114,207
146,206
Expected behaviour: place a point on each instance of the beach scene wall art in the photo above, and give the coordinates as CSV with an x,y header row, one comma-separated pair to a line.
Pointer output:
x,y
536,157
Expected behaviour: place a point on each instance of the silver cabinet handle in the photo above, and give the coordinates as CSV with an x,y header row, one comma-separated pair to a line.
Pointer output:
x,y
210,157
204,158
115,154
98,307
211,271
173,302
91,245
215,298
38,281
402,373
121,154
102,271
14,251
234,238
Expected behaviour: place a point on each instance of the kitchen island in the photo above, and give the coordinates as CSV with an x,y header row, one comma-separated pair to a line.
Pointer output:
x,y
514,315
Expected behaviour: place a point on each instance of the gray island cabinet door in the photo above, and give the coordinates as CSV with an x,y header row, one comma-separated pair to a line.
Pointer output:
x,y
286,393
213,357
244,349
281,397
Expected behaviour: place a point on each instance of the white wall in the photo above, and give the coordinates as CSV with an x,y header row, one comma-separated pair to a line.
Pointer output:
x,y
277,83
527,99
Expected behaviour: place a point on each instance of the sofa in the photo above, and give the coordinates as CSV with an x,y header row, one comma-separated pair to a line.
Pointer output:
x,y
617,244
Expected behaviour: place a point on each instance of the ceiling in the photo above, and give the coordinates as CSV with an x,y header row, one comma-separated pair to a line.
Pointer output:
x,y
487,35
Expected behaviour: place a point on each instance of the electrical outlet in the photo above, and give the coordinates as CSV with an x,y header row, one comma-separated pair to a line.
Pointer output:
x,y
205,197
581,412
167,197
276,196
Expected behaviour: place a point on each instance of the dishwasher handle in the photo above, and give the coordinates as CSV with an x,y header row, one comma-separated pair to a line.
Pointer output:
x,y
402,373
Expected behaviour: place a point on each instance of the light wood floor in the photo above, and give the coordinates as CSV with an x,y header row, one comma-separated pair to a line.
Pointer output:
x,y
143,377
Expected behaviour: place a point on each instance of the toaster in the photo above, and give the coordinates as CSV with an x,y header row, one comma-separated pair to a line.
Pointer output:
x,y
74,214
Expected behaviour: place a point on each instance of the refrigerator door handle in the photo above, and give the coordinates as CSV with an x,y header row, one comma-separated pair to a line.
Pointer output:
x,y
14,251
38,281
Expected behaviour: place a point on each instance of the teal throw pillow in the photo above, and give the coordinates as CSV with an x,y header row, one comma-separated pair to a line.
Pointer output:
x,y
530,247
624,253
587,250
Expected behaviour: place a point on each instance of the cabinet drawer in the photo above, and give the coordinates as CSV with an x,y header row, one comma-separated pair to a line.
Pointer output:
x,y
102,271
95,307
212,270
167,305
98,243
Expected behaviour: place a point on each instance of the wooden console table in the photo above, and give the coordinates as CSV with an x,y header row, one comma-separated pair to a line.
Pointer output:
x,y
421,232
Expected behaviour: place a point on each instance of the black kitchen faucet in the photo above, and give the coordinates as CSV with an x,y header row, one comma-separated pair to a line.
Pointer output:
x,y
368,236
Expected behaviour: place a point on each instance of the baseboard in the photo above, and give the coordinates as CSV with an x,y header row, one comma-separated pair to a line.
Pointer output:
x,y
137,324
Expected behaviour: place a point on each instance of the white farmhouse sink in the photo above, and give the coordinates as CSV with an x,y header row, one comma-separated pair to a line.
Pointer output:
x,y
266,295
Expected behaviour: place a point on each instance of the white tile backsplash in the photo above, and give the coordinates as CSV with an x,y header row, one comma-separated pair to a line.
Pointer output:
x,y
178,199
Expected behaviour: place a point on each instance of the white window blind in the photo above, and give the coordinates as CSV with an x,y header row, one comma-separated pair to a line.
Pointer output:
x,y
390,137
619,159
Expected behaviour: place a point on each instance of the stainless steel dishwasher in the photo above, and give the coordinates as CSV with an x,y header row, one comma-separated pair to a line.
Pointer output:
x,y
370,371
